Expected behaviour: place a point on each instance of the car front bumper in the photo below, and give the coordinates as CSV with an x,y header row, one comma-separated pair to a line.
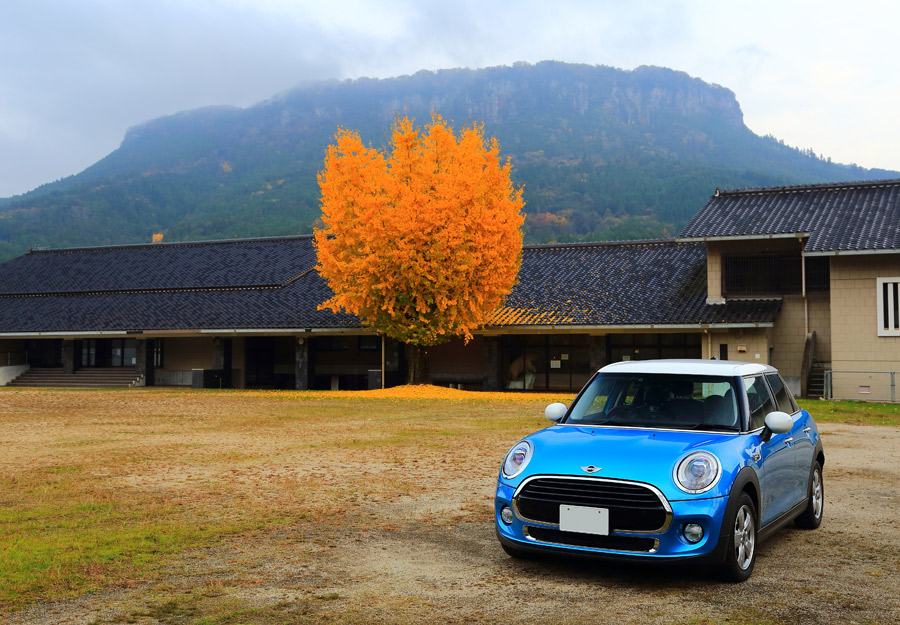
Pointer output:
x,y
668,543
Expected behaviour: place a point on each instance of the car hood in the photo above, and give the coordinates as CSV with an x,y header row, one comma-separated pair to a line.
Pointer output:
x,y
637,455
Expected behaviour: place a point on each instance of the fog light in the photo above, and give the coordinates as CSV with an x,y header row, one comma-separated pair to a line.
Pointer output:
x,y
693,533
506,515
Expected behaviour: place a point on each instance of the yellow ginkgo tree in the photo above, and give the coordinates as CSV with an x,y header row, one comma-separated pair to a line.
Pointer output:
x,y
422,241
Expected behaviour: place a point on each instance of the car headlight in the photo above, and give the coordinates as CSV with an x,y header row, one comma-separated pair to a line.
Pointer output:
x,y
697,472
517,459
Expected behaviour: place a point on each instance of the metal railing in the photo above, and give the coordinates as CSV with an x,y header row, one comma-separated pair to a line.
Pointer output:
x,y
861,385
809,357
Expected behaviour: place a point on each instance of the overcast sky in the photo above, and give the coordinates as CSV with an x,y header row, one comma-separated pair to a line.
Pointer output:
x,y
76,74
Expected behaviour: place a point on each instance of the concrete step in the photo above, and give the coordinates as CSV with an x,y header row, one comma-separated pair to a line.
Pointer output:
x,y
83,378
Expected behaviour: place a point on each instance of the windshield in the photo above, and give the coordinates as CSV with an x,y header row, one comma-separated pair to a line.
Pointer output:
x,y
675,401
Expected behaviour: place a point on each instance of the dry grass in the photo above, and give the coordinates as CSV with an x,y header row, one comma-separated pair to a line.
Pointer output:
x,y
99,488
184,506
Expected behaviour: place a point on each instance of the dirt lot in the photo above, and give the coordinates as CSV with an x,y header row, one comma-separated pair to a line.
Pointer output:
x,y
288,508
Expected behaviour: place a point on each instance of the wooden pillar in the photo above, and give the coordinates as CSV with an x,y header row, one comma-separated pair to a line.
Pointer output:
x,y
144,361
491,361
68,356
218,360
301,364
597,349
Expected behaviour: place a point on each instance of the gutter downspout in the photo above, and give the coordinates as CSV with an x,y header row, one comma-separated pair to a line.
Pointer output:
x,y
803,290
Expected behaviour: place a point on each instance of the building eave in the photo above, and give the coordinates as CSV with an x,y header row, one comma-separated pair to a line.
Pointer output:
x,y
852,252
744,237
608,329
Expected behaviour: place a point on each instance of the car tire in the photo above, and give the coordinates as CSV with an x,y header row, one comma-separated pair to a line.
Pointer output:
x,y
740,555
512,552
811,518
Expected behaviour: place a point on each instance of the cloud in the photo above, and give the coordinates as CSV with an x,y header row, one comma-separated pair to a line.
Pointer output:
x,y
75,74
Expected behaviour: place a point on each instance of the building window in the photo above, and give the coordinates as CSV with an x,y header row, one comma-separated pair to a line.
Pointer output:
x,y
333,343
771,274
888,293
818,273
369,343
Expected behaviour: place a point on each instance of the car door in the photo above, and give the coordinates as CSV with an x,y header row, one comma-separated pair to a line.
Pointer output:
x,y
774,459
800,441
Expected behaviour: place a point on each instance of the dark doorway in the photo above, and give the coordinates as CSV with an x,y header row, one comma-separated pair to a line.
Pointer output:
x,y
106,353
723,351
343,362
269,361
541,362
44,353
653,345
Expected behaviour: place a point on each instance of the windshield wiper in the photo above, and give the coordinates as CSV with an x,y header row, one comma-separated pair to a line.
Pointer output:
x,y
604,422
714,427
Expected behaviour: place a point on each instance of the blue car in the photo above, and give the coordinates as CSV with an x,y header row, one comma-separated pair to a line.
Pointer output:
x,y
665,460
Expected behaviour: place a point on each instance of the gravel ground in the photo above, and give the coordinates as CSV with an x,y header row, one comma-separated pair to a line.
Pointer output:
x,y
431,556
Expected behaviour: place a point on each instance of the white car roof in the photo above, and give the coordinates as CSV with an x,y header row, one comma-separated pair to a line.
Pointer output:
x,y
689,366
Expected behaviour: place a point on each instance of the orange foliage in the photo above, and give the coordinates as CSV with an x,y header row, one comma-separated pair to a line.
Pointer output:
x,y
157,237
424,242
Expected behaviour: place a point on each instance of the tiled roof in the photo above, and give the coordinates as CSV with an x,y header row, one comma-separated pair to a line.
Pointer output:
x,y
195,265
272,284
852,216
620,284
292,306
241,284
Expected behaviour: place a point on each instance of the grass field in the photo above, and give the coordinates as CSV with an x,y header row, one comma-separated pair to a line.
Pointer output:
x,y
855,412
104,491
104,486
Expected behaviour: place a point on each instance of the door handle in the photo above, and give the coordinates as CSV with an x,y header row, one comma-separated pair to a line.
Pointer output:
x,y
789,440
807,430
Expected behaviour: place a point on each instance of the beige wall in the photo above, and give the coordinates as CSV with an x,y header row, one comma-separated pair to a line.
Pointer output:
x,y
714,274
185,354
820,321
456,358
789,332
756,340
856,345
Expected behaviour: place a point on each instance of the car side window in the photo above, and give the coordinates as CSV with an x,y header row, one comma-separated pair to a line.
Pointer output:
x,y
782,395
760,401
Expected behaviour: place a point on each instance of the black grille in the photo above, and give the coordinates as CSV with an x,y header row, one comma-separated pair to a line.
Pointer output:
x,y
631,507
615,543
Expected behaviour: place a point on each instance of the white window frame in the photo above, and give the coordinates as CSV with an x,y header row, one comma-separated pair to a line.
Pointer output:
x,y
888,292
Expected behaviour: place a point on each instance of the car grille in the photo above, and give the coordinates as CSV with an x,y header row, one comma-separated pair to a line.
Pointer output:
x,y
612,543
632,507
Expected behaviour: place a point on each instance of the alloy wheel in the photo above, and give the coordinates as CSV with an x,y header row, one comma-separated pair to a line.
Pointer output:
x,y
744,537
818,497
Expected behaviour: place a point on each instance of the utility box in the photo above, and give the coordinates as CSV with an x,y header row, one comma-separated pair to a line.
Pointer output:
x,y
374,379
207,378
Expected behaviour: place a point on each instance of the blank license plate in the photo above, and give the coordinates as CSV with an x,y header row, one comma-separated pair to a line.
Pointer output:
x,y
584,520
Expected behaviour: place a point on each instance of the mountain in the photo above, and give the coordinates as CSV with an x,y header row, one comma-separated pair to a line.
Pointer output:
x,y
603,154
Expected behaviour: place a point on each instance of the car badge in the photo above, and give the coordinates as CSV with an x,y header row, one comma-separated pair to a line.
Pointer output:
x,y
591,469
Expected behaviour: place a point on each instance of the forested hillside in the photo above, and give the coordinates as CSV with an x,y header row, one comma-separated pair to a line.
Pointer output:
x,y
603,154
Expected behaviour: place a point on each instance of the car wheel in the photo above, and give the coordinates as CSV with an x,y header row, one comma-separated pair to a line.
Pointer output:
x,y
811,518
741,553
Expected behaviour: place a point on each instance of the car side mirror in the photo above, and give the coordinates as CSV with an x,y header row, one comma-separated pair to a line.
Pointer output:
x,y
556,411
777,422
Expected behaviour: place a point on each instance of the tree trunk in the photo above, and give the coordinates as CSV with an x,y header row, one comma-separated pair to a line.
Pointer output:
x,y
417,365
